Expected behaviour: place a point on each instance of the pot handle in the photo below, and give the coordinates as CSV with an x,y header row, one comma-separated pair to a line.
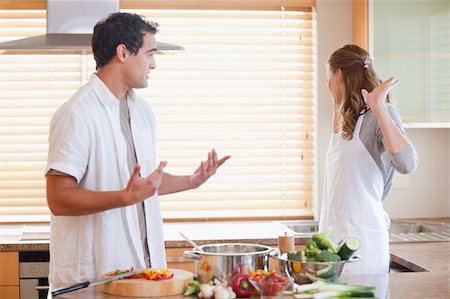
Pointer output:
x,y
274,252
354,258
192,255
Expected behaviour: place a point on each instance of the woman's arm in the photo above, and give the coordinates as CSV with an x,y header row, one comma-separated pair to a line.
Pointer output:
x,y
394,140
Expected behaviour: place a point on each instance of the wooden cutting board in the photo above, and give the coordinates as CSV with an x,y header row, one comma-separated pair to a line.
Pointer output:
x,y
139,287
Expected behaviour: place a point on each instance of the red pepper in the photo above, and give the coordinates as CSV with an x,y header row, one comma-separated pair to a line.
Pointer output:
x,y
136,276
241,286
164,277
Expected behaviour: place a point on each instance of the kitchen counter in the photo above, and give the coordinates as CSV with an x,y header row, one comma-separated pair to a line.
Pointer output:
x,y
430,256
433,281
432,259
395,285
422,257
259,232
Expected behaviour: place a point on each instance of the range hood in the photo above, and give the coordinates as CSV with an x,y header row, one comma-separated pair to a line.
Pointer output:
x,y
69,27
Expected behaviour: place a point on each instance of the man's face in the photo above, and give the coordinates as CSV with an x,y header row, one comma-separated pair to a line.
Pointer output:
x,y
140,65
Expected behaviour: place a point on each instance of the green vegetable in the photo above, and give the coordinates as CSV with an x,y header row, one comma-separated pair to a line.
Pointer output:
x,y
345,287
193,288
323,241
348,247
343,295
329,273
327,256
303,288
321,290
295,255
311,249
344,291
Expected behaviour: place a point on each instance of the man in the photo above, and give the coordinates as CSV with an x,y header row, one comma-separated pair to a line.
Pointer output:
x,y
102,179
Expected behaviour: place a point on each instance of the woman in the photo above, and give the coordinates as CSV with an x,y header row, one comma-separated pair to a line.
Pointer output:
x,y
368,143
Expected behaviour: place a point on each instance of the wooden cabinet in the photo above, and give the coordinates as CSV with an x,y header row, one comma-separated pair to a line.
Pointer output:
x,y
411,41
9,275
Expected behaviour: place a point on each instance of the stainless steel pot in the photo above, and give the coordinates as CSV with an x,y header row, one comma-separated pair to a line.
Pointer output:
x,y
226,259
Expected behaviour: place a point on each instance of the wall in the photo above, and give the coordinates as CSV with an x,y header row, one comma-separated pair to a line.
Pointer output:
x,y
334,29
425,193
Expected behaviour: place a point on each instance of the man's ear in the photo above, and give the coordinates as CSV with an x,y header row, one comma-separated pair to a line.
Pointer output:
x,y
121,52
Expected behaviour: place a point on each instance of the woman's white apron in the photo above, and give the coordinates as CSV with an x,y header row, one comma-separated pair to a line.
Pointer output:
x,y
352,204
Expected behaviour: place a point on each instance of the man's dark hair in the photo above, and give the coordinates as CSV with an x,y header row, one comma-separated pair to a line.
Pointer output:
x,y
119,28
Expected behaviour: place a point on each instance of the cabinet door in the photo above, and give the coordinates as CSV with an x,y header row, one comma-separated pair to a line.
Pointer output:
x,y
9,275
10,292
411,42
176,260
9,271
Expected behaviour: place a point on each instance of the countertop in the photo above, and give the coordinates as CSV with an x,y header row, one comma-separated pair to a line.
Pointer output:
x,y
259,232
432,259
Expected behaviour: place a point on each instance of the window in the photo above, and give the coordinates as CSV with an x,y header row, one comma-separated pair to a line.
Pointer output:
x,y
244,85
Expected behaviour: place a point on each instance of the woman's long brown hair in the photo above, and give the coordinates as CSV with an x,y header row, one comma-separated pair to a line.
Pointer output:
x,y
357,73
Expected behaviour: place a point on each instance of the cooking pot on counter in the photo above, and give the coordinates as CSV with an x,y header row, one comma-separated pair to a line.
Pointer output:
x,y
227,259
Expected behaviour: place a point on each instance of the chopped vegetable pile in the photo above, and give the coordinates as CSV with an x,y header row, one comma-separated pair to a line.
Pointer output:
x,y
148,274
241,285
216,289
157,274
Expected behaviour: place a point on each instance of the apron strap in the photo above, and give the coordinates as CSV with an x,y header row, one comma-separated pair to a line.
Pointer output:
x,y
358,125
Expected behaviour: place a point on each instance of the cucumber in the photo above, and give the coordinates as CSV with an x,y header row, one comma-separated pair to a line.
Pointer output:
x,y
348,247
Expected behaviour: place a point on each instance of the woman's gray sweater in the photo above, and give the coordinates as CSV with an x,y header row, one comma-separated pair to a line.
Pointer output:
x,y
404,161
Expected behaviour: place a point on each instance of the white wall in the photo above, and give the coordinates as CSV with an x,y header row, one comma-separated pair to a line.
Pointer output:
x,y
426,192
334,29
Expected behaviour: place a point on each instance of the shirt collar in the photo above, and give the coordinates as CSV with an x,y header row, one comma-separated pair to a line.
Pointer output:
x,y
105,96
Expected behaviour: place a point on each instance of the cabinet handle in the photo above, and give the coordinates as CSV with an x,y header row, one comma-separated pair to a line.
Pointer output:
x,y
42,288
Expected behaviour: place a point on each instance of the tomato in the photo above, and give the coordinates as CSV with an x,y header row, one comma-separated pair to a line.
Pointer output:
x,y
269,283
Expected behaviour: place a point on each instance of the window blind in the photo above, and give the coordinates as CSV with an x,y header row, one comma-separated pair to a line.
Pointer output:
x,y
244,85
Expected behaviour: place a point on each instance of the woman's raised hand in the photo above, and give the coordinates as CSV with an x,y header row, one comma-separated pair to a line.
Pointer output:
x,y
377,97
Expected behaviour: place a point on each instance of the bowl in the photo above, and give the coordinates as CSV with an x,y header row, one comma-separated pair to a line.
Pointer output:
x,y
271,289
307,272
